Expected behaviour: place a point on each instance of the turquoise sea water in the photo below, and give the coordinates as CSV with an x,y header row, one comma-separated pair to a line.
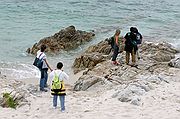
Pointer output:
x,y
24,22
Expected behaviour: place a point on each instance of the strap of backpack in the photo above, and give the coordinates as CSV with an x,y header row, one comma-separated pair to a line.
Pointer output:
x,y
40,54
59,74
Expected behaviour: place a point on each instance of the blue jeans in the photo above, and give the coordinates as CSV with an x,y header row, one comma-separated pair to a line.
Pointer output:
x,y
43,79
62,100
115,53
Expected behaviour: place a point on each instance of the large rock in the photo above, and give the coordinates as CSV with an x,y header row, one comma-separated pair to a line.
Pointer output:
x,y
136,81
161,52
86,82
12,91
65,39
163,56
133,91
13,99
102,47
92,56
87,61
175,63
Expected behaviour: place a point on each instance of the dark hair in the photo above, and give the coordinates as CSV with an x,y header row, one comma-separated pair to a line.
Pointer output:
x,y
134,29
43,48
59,65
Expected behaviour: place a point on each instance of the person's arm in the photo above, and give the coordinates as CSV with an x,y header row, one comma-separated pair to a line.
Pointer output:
x,y
48,65
51,75
117,38
65,76
141,38
125,38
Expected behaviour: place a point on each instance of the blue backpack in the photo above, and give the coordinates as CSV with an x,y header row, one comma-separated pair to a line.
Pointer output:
x,y
38,62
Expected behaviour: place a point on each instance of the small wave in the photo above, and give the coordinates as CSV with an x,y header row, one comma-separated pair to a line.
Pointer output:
x,y
18,71
176,43
78,2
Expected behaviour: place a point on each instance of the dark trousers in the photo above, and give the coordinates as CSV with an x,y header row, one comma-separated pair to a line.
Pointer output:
x,y
115,52
44,77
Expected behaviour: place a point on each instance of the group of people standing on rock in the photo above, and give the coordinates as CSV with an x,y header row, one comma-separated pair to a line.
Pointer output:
x,y
129,43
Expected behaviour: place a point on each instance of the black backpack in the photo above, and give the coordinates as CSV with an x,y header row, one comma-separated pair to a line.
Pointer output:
x,y
38,62
111,41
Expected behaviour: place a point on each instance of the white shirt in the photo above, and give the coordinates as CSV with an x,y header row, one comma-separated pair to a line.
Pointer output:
x,y
42,55
62,75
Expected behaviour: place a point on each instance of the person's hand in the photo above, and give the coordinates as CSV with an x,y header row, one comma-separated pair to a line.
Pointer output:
x,y
51,69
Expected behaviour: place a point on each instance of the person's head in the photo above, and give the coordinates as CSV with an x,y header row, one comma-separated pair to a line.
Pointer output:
x,y
59,65
117,32
134,30
43,48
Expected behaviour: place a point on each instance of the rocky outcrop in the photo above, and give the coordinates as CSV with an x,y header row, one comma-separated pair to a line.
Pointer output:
x,y
65,39
132,82
162,52
92,56
86,81
88,60
175,63
102,47
132,92
13,99
13,93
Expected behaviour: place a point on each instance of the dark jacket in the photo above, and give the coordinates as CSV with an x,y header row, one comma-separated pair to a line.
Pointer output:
x,y
130,42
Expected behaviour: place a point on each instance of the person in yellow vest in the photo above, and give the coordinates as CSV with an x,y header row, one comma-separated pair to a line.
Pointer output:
x,y
58,74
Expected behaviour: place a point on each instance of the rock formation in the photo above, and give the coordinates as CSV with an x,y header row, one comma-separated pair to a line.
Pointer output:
x,y
128,82
92,56
175,63
65,39
16,90
162,52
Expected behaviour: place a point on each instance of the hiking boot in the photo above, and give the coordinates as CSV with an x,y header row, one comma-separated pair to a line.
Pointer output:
x,y
118,63
133,65
45,90
63,111
115,63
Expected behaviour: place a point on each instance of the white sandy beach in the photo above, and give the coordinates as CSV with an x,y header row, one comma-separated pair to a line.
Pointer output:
x,y
161,103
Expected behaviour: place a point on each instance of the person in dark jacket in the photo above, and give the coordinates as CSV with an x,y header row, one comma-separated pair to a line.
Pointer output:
x,y
131,46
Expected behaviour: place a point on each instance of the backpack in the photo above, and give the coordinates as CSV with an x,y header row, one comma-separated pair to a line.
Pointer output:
x,y
131,41
111,41
38,62
56,83
138,38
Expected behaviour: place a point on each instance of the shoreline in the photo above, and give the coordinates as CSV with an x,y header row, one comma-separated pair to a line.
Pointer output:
x,y
154,86
35,81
